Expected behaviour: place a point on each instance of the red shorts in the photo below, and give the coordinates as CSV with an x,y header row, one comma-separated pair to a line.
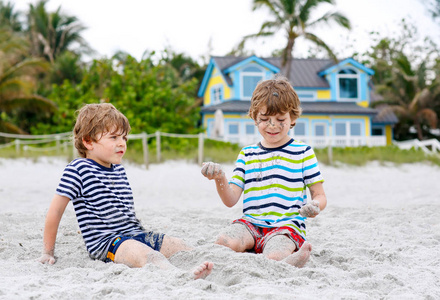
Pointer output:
x,y
262,235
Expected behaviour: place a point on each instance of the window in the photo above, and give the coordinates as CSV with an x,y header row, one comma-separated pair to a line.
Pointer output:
x,y
348,84
319,130
250,129
250,77
299,129
348,129
233,128
340,129
377,131
216,94
355,129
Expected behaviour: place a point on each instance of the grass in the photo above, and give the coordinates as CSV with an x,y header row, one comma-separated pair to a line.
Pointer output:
x,y
187,150
360,156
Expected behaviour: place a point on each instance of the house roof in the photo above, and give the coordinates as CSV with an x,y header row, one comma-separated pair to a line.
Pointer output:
x,y
330,108
304,72
385,115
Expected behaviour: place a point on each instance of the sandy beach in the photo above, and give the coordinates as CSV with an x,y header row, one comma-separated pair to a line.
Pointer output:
x,y
379,238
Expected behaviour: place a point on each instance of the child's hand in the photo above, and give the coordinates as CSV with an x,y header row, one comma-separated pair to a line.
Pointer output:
x,y
310,210
47,259
212,170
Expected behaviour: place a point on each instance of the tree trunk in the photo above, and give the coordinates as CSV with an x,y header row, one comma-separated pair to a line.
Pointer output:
x,y
419,129
286,60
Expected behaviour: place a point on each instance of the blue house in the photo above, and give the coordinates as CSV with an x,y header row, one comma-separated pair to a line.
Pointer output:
x,y
335,98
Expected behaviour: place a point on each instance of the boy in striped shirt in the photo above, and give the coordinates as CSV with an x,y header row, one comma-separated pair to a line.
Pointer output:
x,y
272,176
102,198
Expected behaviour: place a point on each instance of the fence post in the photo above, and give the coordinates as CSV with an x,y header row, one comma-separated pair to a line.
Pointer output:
x,y
57,138
201,146
330,149
145,148
17,147
158,146
74,152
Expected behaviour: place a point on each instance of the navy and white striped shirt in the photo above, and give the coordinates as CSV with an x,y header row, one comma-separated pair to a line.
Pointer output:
x,y
103,203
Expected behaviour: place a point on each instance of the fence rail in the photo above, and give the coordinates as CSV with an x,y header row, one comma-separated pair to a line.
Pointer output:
x,y
22,142
64,141
428,146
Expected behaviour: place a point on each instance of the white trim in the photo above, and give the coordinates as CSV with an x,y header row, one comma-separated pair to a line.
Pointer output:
x,y
348,76
244,74
348,129
320,124
220,91
313,95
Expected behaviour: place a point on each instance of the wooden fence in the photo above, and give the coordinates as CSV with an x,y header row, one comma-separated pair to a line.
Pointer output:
x,y
64,140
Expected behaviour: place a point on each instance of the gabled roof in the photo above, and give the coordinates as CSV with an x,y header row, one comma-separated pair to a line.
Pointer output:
x,y
351,61
328,107
304,73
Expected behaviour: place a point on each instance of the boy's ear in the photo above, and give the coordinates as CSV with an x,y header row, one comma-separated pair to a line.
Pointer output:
x,y
87,143
293,124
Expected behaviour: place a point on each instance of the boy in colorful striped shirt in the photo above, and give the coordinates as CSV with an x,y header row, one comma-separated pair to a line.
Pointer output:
x,y
272,176
102,198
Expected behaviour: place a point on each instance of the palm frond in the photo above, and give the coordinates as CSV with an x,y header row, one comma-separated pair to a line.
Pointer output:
x,y
30,103
313,38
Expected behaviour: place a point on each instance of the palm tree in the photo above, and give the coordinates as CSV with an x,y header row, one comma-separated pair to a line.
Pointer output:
x,y
53,33
408,93
293,17
17,83
9,17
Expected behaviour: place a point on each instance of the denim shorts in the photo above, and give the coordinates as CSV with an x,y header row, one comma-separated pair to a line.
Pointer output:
x,y
151,239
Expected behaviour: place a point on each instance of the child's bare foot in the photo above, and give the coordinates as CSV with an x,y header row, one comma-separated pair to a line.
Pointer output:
x,y
299,258
203,270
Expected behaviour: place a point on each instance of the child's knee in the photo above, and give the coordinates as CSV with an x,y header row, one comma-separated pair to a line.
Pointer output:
x,y
227,241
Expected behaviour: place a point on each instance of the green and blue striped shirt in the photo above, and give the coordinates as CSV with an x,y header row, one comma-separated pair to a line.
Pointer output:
x,y
274,182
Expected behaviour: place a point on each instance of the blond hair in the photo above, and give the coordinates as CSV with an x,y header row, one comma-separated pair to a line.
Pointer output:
x,y
94,120
278,96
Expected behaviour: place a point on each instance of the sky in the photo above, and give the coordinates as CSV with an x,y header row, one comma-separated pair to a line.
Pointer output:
x,y
200,28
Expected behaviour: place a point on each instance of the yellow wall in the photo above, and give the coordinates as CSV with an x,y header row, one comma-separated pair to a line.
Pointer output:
x,y
216,79
363,103
389,134
323,95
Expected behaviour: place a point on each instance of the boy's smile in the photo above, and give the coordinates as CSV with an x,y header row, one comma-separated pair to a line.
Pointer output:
x,y
274,129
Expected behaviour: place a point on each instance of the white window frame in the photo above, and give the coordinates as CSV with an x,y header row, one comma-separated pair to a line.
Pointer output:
x,y
253,126
238,126
318,124
305,129
360,128
348,128
348,76
243,74
219,89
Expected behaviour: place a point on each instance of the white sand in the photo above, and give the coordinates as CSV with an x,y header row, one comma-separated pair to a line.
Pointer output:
x,y
378,238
